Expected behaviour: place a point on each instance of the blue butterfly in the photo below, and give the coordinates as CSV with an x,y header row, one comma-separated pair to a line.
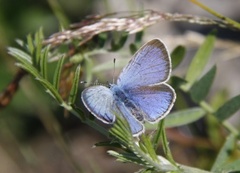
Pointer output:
x,y
140,94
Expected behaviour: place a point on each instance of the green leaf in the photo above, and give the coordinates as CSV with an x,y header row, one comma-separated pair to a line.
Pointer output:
x,y
88,68
138,37
102,38
74,89
38,49
133,48
30,44
50,89
228,109
177,56
184,117
149,147
224,153
20,55
165,144
57,74
43,62
200,89
126,157
29,68
157,136
20,42
118,43
231,167
200,60
188,169
176,81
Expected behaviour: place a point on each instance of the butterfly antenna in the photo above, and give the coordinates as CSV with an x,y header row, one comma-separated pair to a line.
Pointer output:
x,y
114,62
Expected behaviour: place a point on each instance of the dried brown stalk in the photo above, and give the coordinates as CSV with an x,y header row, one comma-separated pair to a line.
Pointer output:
x,y
131,24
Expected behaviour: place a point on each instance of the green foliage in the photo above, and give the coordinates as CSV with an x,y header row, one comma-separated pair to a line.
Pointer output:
x,y
177,56
228,109
222,162
34,57
184,117
200,89
200,60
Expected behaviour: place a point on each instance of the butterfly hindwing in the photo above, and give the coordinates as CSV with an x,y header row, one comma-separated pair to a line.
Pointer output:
x,y
135,125
99,101
155,101
149,65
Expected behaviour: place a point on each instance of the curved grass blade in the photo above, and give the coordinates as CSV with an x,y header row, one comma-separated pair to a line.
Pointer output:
x,y
74,89
57,74
20,55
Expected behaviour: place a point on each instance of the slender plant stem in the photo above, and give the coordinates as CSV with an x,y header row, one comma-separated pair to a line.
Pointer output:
x,y
166,145
226,124
59,13
218,15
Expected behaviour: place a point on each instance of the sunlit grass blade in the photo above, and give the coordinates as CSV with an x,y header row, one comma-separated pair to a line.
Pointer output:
x,y
200,89
74,89
224,153
228,109
126,157
57,73
177,56
199,61
20,42
20,55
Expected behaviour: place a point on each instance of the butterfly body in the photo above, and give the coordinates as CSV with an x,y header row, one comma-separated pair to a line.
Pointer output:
x,y
123,97
140,94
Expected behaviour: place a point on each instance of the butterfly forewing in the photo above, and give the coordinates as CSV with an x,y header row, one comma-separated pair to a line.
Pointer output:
x,y
99,101
149,65
156,101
